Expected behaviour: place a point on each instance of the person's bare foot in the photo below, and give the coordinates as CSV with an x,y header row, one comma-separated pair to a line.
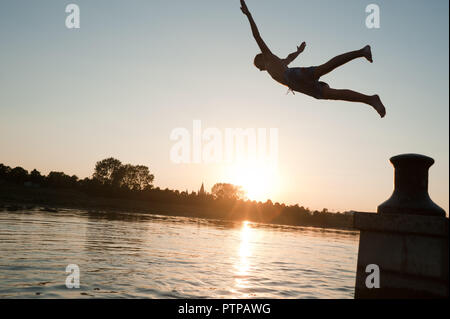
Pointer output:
x,y
378,105
367,51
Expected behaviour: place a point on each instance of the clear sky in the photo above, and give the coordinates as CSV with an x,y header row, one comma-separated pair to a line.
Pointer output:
x,y
136,70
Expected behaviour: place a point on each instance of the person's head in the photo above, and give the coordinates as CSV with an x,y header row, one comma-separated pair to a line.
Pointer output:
x,y
259,62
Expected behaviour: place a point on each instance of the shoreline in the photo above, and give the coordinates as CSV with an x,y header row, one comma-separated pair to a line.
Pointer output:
x,y
15,198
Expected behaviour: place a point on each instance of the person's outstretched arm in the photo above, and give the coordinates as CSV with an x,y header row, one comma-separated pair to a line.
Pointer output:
x,y
291,57
264,48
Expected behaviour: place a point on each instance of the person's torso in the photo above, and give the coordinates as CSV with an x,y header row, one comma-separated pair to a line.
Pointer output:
x,y
276,68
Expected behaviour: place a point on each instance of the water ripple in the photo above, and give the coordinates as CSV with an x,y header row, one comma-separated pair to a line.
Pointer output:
x,y
123,255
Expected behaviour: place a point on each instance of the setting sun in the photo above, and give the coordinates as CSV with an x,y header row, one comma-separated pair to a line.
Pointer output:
x,y
258,180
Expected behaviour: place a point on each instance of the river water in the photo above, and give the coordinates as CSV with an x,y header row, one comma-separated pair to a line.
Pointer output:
x,y
123,255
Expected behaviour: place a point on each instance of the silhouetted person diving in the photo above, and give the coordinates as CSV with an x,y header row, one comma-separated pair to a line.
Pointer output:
x,y
306,80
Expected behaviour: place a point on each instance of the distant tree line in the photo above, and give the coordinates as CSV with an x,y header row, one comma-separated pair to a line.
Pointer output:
x,y
18,175
112,179
110,174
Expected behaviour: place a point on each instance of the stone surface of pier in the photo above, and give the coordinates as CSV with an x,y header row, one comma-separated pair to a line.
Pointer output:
x,y
407,239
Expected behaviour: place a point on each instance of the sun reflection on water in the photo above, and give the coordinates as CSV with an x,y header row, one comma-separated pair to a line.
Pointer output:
x,y
242,266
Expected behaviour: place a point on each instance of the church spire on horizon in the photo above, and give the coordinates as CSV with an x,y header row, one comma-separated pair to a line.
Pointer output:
x,y
202,190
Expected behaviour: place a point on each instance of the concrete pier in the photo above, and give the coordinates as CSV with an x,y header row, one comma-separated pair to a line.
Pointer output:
x,y
403,249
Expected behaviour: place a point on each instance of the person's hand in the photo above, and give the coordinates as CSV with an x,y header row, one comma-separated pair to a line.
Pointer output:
x,y
244,8
302,47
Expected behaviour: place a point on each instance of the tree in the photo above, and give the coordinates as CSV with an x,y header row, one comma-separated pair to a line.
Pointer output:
x,y
4,171
227,191
36,177
18,175
136,177
110,171
144,178
107,171
59,179
129,176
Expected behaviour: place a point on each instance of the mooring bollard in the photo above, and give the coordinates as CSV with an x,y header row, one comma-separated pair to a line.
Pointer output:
x,y
403,249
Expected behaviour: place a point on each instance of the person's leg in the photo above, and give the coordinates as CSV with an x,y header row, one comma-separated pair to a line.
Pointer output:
x,y
353,96
342,59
